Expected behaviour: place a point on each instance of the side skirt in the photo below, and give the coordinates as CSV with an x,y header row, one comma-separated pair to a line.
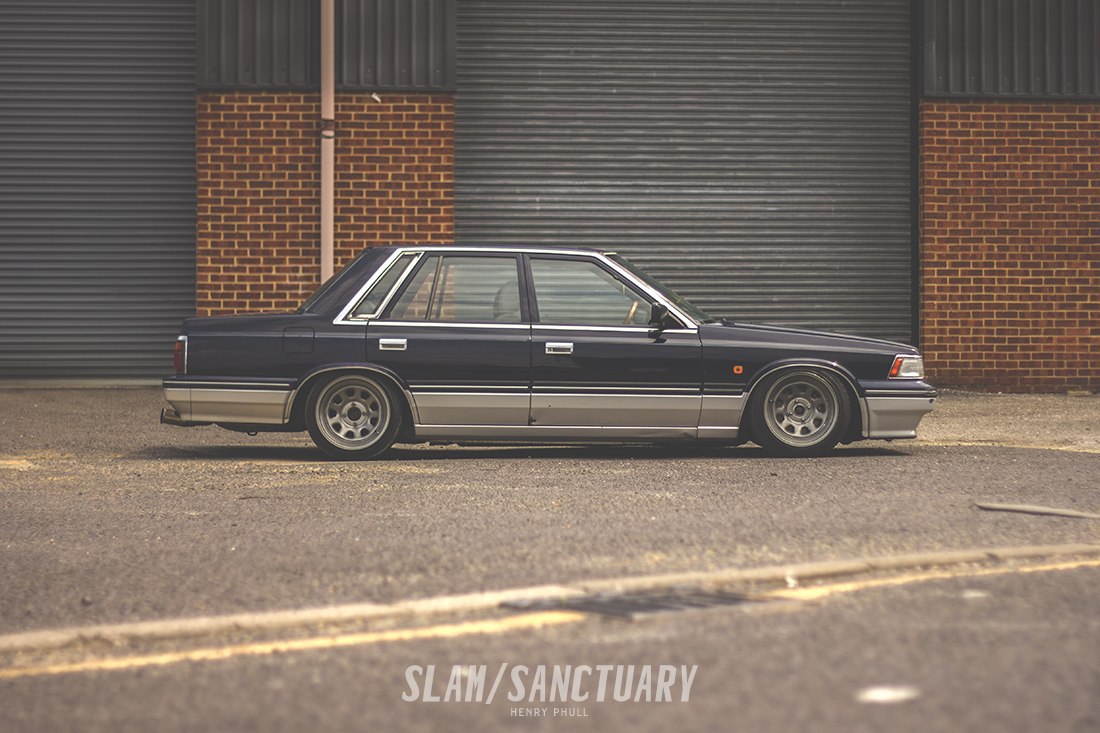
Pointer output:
x,y
554,433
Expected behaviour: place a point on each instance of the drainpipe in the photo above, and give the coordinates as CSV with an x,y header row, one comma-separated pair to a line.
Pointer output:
x,y
328,138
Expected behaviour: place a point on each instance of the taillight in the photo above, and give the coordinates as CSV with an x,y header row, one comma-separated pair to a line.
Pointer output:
x,y
179,355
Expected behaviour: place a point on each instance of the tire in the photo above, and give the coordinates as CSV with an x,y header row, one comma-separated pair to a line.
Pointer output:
x,y
353,417
799,412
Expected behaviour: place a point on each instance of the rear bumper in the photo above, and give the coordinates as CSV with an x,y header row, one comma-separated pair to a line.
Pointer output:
x,y
170,416
890,417
205,401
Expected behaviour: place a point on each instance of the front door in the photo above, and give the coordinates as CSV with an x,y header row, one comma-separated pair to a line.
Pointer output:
x,y
459,335
595,360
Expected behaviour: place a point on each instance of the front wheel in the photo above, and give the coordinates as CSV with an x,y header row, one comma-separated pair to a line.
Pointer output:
x,y
353,417
803,412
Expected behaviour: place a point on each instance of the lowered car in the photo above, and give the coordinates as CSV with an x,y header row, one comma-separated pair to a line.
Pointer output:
x,y
531,344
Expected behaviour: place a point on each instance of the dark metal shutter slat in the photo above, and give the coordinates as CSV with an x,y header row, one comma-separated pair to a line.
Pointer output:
x,y
97,186
754,155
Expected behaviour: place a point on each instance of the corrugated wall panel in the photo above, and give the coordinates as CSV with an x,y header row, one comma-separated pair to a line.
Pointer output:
x,y
395,44
381,45
1011,48
258,43
97,186
754,155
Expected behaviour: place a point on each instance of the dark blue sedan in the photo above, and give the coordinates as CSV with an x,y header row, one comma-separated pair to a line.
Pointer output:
x,y
532,344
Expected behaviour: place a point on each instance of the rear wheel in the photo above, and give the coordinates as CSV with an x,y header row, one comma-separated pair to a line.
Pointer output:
x,y
353,417
803,412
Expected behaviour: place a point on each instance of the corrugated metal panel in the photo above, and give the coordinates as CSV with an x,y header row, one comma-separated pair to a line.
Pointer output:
x,y
754,155
97,186
395,44
244,44
381,45
1011,48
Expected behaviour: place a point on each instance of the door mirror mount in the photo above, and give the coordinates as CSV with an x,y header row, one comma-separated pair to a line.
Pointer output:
x,y
659,319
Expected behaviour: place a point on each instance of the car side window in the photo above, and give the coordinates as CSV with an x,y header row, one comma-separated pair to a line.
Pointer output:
x,y
462,289
372,301
580,292
412,304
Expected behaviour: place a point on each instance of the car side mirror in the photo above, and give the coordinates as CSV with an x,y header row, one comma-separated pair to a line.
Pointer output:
x,y
658,319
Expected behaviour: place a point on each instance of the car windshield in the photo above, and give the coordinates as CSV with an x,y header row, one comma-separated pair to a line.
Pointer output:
x,y
692,310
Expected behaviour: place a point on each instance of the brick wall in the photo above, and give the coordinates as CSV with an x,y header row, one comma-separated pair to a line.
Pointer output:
x,y
258,184
1010,241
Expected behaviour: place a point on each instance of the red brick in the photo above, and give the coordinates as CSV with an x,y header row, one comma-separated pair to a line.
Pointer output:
x,y
258,171
1010,235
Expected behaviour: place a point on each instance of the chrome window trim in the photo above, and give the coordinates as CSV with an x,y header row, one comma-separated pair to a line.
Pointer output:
x,y
632,329
344,319
689,325
684,319
450,324
623,274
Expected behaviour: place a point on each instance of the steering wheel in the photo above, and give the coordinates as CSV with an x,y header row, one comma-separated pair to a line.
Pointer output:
x,y
630,316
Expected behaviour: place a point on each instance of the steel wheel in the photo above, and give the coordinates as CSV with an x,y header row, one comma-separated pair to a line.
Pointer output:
x,y
800,412
352,416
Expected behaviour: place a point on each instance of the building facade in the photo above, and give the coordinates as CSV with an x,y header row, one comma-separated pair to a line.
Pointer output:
x,y
925,172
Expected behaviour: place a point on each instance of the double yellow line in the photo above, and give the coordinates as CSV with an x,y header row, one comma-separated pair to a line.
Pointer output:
x,y
335,641
525,621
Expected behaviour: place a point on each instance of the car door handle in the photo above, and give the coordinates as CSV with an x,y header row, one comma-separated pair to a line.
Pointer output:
x,y
559,347
392,344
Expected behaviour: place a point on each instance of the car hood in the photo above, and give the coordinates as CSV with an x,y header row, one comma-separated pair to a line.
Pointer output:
x,y
783,336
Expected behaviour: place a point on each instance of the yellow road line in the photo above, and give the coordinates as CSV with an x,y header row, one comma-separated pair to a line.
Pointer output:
x,y
446,631
821,591
999,444
491,626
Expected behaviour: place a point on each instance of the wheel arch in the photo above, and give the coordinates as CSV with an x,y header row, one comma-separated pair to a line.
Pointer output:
x,y
296,405
858,428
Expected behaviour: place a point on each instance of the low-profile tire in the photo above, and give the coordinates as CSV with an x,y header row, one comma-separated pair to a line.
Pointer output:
x,y
799,412
353,417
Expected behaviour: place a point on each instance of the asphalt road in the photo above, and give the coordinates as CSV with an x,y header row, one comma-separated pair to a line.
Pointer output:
x,y
1011,653
107,517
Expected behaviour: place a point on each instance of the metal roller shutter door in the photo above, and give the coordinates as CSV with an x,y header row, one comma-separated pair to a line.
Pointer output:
x,y
754,155
97,186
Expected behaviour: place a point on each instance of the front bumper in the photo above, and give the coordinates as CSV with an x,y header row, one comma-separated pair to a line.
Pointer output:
x,y
894,416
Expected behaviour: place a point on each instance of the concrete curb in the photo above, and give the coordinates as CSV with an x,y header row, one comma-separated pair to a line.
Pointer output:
x,y
166,629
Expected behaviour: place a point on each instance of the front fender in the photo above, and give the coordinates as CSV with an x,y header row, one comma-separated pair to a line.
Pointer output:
x,y
831,366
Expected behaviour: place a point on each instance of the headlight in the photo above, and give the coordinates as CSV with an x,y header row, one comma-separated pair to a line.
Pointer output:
x,y
907,367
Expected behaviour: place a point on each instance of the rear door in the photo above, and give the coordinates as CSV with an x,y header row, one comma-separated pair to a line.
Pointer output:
x,y
595,360
458,333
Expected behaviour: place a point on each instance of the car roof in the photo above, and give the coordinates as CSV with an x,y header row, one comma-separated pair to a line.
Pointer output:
x,y
534,248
